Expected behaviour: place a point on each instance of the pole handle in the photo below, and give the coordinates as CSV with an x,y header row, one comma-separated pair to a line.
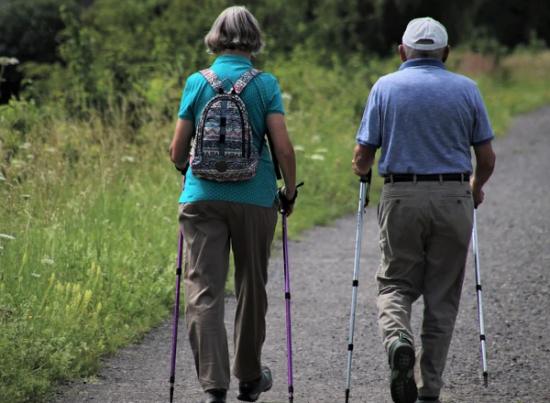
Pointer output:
x,y
367,178
366,181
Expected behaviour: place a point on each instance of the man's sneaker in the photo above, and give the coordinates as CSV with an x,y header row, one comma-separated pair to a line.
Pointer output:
x,y
215,396
250,391
402,384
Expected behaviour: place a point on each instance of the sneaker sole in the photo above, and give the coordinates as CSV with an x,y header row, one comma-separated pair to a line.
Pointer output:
x,y
248,398
403,386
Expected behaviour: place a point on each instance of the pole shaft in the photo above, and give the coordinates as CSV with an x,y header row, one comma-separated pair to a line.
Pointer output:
x,y
288,317
362,195
176,310
481,321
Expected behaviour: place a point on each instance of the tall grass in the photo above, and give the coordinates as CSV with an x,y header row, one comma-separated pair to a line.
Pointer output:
x,y
87,253
520,85
88,212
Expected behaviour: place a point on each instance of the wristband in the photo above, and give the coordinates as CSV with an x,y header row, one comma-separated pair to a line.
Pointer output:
x,y
182,171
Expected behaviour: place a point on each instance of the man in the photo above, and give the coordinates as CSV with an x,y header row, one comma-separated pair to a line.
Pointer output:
x,y
424,119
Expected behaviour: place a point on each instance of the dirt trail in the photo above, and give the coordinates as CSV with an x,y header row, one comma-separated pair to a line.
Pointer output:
x,y
514,240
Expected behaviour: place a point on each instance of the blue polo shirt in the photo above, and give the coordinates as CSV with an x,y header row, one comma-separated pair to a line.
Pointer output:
x,y
262,97
425,119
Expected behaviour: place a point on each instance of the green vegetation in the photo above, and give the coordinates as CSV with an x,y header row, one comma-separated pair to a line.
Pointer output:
x,y
521,84
87,248
88,214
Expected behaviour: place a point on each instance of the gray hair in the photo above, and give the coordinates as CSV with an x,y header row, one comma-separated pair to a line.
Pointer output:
x,y
423,54
235,29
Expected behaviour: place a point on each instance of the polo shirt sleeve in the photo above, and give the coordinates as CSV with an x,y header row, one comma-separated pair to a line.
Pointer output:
x,y
482,131
275,99
188,98
370,133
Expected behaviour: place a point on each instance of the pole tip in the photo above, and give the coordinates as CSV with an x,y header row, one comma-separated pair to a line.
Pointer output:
x,y
485,379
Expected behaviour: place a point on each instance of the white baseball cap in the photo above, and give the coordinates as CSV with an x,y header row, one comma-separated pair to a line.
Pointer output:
x,y
425,34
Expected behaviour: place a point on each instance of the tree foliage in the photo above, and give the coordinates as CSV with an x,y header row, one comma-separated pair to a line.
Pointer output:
x,y
28,32
146,47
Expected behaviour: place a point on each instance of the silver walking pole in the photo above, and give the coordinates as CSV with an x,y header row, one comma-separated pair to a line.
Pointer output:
x,y
480,303
363,202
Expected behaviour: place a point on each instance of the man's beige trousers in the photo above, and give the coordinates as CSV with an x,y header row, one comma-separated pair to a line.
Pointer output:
x,y
210,228
425,230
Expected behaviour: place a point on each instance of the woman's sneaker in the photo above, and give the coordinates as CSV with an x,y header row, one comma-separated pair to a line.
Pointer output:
x,y
250,391
402,384
215,396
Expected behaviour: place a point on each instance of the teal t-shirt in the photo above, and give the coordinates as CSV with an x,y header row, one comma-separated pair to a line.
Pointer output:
x,y
262,97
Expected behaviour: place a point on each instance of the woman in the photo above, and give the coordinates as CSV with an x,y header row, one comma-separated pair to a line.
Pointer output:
x,y
216,214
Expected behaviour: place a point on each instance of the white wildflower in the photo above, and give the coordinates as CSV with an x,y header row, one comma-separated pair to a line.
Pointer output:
x,y
321,150
47,261
25,146
26,197
35,275
6,236
299,148
317,157
128,158
315,139
286,95
1,248
6,61
138,204
50,150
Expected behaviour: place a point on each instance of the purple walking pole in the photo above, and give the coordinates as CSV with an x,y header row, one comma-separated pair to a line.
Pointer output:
x,y
287,299
176,311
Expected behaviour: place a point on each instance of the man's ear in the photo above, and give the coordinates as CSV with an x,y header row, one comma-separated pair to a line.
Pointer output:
x,y
446,53
402,53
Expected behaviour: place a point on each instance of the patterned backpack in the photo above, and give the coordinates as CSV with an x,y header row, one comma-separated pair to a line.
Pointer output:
x,y
224,149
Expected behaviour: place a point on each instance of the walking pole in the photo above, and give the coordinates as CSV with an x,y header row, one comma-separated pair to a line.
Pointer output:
x,y
480,303
176,311
288,321
363,202
282,210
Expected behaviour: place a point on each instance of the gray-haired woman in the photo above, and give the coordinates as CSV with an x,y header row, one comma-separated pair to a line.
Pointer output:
x,y
216,214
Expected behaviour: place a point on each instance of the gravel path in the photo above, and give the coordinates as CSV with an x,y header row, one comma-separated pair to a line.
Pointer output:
x,y
514,231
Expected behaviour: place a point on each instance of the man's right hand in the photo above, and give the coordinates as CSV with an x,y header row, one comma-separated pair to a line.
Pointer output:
x,y
477,193
485,164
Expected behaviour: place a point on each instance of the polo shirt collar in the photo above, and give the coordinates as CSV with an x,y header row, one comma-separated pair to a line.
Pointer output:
x,y
422,63
232,59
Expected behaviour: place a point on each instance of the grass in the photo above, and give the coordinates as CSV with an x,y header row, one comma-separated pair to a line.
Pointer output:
x,y
89,218
87,257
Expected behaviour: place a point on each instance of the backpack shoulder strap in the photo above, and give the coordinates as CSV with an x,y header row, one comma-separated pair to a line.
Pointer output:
x,y
212,79
239,86
243,80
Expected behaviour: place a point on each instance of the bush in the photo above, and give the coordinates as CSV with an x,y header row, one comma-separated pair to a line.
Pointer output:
x,y
29,32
